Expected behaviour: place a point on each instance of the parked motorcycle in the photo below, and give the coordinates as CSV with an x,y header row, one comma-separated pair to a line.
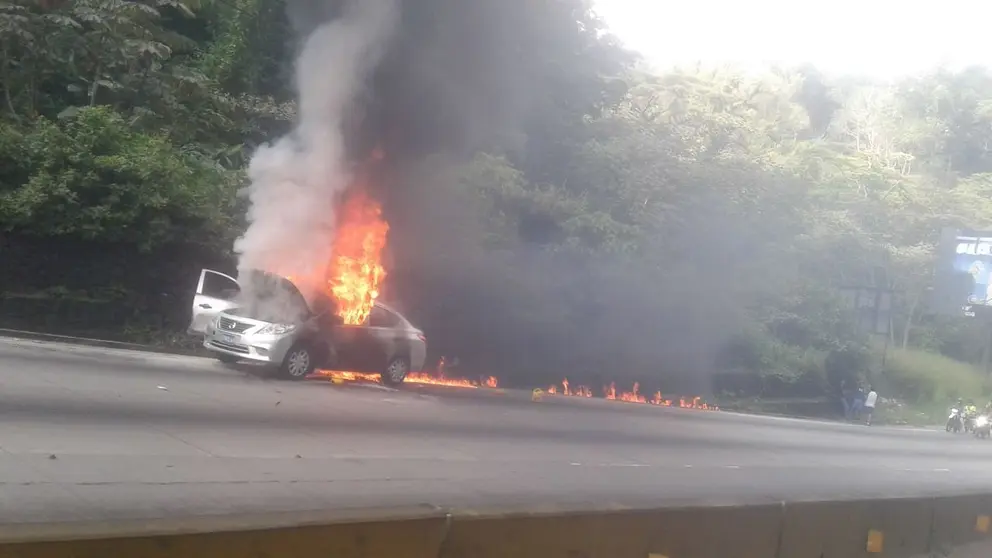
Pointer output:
x,y
955,422
982,427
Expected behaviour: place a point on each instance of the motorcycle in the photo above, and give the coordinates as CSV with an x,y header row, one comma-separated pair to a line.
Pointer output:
x,y
969,423
955,423
982,427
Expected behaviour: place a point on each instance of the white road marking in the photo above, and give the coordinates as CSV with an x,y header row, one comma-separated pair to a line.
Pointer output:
x,y
731,466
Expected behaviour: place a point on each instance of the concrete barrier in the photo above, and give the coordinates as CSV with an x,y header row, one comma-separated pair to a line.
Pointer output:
x,y
726,532
729,532
405,538
961,519
896,528
573,536
902,528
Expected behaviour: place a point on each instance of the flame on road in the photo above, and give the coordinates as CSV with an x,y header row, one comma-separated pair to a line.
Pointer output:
x,y
565,389
633,396
339,376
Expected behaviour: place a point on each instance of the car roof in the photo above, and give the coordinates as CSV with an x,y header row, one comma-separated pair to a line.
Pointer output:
x,y
389,308
385,306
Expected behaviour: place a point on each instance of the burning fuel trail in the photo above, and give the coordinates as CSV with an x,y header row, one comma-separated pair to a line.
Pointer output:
x,y
297,183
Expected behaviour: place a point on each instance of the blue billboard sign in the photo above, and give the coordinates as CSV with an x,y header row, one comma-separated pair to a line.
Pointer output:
x,y
973,256
963,273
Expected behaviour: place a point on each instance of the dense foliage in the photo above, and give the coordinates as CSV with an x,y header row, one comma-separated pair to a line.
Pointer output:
x,y
565,213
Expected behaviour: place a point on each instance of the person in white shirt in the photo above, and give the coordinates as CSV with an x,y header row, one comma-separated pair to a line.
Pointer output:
x,y
870,400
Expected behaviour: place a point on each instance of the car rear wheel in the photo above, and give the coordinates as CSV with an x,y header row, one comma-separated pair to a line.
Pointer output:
x,y
299,363
395,372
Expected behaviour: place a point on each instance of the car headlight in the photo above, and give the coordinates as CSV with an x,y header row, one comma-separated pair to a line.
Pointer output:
x,y
981,421
277,329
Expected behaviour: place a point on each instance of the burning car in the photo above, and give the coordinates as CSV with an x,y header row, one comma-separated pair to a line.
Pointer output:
x,y
277,326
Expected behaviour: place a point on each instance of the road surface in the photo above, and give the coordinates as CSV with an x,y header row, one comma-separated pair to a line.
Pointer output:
x,y
90,434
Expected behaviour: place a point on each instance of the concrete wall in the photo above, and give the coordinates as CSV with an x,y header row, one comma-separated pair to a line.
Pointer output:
x,y
909,528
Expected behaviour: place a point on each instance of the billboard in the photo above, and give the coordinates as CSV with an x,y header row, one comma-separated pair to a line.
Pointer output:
x,y
963,276
973,255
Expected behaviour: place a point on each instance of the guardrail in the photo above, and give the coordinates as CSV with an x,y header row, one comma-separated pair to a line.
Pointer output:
x,y
891,528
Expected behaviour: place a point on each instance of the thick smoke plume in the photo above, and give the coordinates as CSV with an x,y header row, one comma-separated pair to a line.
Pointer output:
x,y
508,77
296,182
519,78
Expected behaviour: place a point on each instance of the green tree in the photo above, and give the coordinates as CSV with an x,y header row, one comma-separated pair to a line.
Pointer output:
x,y
91,176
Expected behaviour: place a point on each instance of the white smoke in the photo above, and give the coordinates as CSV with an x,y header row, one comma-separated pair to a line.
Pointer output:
x,y
296,180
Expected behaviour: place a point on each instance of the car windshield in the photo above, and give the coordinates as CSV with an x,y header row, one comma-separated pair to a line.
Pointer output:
x,y
268,297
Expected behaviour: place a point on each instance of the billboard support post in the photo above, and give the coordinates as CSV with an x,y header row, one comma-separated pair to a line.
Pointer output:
x,y
987,348
983,314
873,309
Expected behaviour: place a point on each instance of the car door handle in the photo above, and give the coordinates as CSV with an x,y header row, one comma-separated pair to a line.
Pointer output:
x,y
205,306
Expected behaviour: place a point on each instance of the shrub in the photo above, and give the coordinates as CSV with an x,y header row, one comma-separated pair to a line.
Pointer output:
x,y
756,364
926,378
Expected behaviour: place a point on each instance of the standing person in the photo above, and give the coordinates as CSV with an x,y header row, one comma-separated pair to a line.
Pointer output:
x,y
846,399
857,403
870,400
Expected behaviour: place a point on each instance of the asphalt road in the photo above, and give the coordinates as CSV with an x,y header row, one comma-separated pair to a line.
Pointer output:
x,y
98,434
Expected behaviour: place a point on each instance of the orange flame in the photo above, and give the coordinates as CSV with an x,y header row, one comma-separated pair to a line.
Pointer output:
x,y
356,269
424,378
412,378
632,396
578,391
610,393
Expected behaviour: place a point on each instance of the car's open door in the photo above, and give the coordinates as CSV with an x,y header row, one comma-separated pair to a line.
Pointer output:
x,y
215,292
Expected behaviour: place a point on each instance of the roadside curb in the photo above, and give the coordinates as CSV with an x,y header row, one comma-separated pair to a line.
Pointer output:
x,y
825,420
85,341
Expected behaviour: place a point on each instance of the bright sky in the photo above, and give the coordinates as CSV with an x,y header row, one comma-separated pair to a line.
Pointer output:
x,y
878,38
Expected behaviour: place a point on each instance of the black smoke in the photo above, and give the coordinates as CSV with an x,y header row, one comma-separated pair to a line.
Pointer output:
x,y
517,78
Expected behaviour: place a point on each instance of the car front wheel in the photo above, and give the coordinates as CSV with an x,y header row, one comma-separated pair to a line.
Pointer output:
x,y
395,372
299,363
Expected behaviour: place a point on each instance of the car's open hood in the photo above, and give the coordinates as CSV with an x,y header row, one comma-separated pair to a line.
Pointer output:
x,y
269,297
